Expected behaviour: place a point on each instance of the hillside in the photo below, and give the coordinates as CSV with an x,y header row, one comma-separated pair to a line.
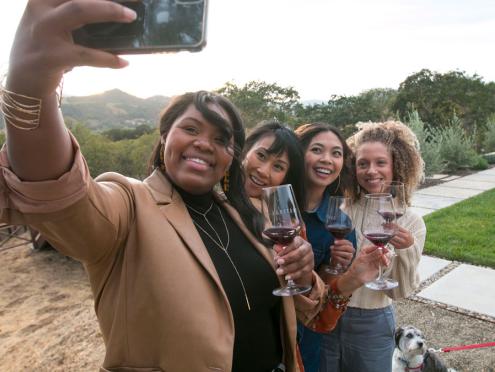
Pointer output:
x,y
113,109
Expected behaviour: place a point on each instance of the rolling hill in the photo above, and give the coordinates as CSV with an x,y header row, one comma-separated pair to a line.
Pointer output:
x,y
113,109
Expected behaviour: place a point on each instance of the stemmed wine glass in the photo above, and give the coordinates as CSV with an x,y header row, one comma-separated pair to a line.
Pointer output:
x,y
283,224
339,224
396,189
378,226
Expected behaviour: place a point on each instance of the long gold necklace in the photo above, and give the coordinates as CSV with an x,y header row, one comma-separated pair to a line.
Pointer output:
x,y
219,243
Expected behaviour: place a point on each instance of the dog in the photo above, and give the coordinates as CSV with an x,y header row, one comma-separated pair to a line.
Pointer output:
x,y
411,354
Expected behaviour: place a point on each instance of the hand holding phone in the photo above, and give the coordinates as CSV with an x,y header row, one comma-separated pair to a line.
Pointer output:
x,y
160,26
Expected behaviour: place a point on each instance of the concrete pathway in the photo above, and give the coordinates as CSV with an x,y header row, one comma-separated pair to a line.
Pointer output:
x,y
466,287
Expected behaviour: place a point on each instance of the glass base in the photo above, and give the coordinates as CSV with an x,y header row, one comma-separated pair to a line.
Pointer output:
x,y
382,285
291,291
335,270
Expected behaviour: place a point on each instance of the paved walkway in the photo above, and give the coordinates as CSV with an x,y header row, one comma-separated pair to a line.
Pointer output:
x,y
466,286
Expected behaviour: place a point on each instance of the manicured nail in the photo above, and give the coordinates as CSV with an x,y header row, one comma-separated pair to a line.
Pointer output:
x,y
129,14
280,271
123,62
280,261
288,277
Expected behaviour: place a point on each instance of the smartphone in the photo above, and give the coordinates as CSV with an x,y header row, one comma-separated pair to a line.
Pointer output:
x,y
160,26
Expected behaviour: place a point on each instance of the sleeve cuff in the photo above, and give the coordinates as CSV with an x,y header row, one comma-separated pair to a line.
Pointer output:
x,y
308,306
43,196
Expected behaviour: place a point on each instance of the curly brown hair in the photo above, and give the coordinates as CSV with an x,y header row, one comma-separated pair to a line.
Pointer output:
x,y
403,145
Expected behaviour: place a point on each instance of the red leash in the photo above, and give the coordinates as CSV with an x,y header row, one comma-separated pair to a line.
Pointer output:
x,y
465,347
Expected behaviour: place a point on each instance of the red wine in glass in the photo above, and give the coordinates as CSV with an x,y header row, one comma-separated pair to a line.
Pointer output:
x,y
379,227
379,239
283,223
338,223
282,235
389,216
398,192
339,231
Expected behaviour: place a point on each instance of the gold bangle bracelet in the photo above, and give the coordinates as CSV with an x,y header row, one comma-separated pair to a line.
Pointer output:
x,y
20,111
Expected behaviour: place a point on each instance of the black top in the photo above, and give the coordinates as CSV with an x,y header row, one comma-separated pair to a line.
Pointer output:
x,y
257,344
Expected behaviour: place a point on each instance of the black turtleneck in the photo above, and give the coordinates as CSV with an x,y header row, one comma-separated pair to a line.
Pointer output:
x,y
257,345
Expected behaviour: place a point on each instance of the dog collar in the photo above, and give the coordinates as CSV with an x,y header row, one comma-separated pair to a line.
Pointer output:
x,y
412,369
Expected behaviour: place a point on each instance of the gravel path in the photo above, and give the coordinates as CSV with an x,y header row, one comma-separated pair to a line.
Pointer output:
x,y
47,321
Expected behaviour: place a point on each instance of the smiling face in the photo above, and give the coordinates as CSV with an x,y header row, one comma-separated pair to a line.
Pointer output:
x,y
196,152
373,166
324,159
263,169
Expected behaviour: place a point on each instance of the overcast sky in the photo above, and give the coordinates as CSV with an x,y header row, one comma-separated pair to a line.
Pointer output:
x,y
319,47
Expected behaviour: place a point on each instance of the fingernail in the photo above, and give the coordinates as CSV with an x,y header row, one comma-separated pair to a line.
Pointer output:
x,y
123,62
280,271
280,261
288,277
129,14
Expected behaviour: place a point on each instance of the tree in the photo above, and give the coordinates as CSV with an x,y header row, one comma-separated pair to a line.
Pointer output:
x,y
258,100
118,134
129,157
437,97
98,151
343,112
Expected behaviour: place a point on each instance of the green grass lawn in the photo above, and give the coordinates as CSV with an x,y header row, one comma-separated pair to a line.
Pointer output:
x,y
464,232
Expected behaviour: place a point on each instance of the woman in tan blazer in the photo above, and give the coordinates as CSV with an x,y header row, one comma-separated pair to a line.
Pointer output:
x,y
180,279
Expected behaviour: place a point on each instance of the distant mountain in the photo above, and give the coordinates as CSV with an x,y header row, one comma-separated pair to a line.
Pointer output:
x,y
113,109
311,102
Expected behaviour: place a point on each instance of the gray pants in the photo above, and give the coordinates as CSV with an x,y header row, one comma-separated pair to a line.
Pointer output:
x,y
363,341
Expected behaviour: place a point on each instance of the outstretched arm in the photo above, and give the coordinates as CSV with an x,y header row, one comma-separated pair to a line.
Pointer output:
x,y
42,51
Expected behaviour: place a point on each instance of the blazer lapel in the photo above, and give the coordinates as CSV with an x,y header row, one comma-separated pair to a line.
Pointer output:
x,y
175,211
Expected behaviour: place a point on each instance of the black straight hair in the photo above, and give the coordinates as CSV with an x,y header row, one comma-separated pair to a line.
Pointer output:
x,y
307,132
285,140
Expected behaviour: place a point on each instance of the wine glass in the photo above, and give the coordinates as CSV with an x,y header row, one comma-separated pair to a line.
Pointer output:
x,y
396,189
339,224
283,224
378,226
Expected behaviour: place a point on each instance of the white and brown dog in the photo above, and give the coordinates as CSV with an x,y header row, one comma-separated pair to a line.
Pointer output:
x,y
411,354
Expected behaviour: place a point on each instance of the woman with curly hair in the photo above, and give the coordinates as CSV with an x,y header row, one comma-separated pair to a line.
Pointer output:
x,y
364,337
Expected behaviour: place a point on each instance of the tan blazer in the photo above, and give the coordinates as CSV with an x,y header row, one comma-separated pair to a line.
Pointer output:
x,y
158,297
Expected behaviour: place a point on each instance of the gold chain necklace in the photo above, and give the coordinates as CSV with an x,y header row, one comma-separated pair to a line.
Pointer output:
x,y
219,243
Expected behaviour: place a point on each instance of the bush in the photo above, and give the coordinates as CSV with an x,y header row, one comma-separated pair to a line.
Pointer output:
x,y
489,141
429,142
481,163
457,147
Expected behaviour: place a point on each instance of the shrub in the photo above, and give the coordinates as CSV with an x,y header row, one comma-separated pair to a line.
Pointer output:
x,y
457,147
429,142
489,141
481,163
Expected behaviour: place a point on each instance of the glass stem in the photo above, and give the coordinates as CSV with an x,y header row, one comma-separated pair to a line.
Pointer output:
x,y
380,273
380,269
291,284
